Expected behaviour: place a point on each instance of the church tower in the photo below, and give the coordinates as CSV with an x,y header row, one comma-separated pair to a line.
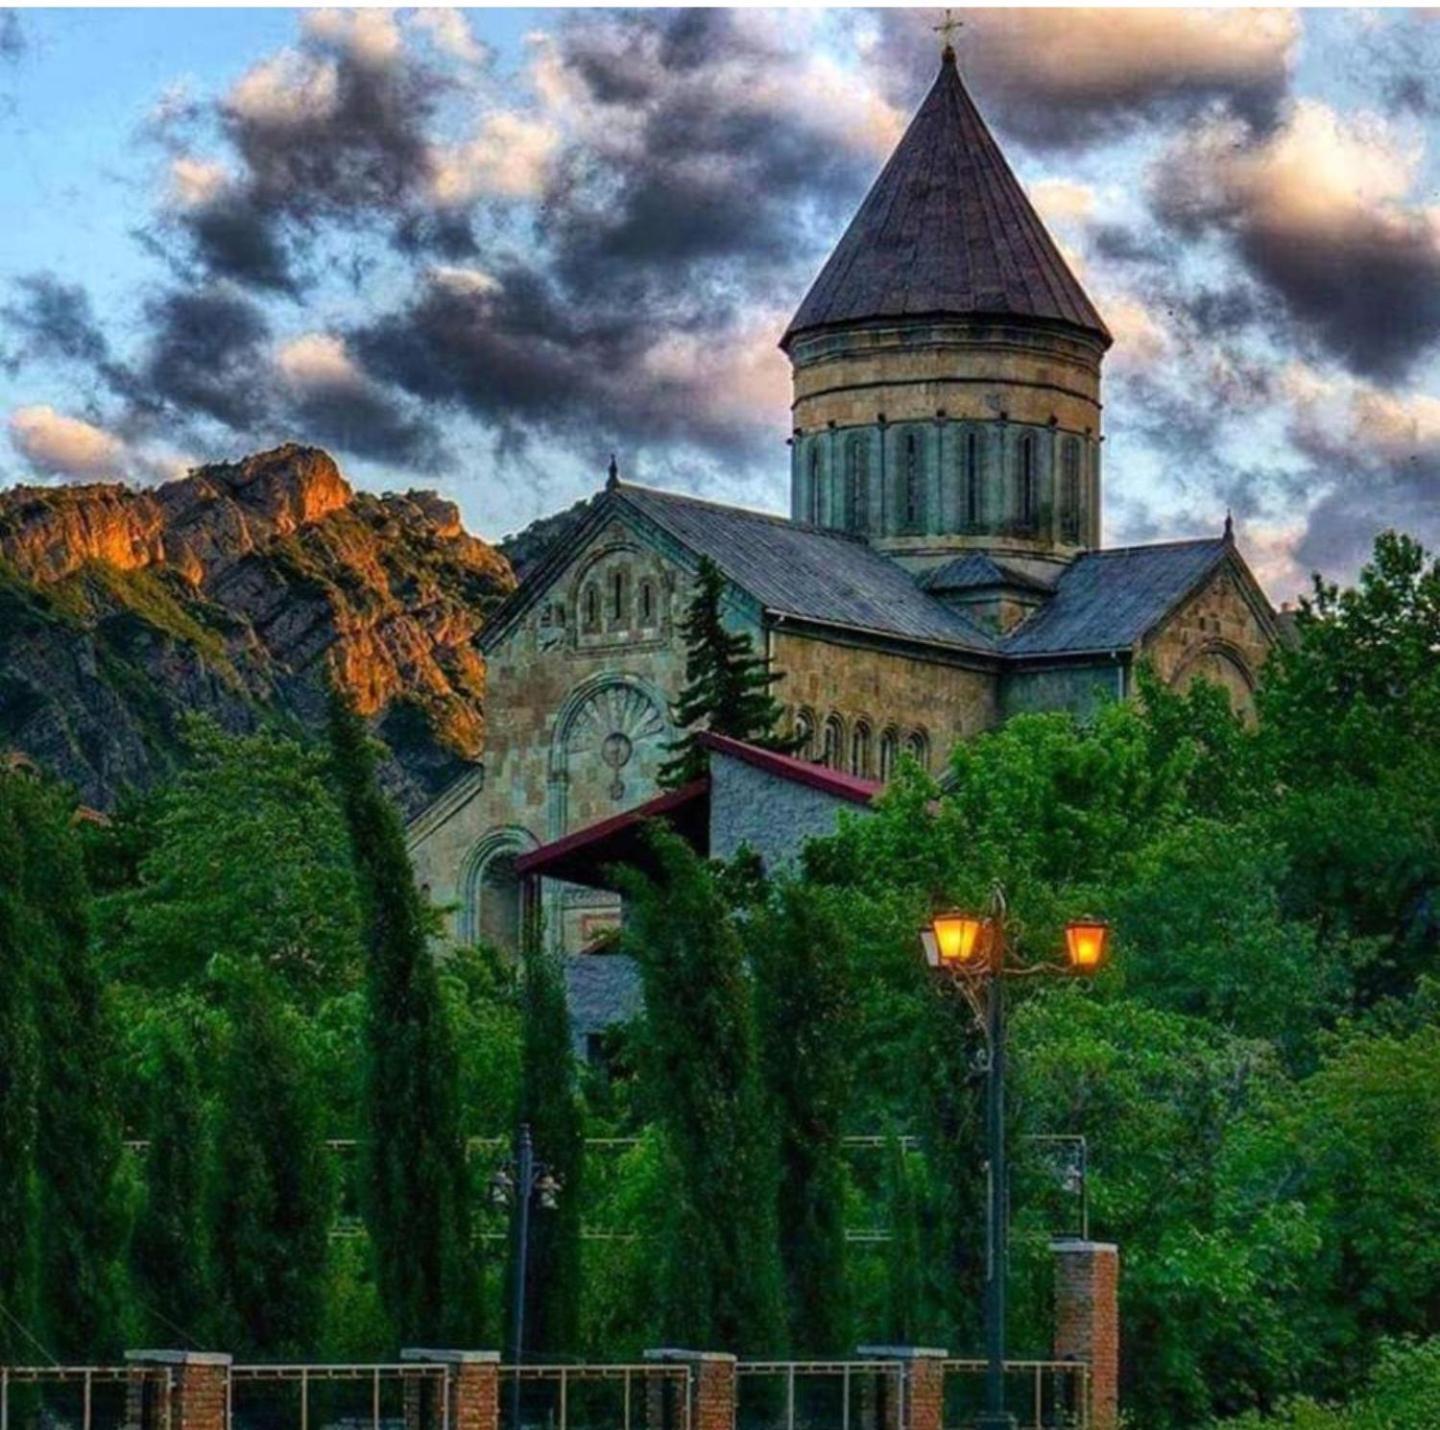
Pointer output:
x,y
946,364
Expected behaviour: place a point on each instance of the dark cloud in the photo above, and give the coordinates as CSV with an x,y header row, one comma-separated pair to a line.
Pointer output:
x,y
1358,273
1067,78
235,237
53,321
12,37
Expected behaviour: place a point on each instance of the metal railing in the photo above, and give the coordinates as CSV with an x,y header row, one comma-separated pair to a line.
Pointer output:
x,y
1041,1394
642,1395
819,1395
328,1397
76,1397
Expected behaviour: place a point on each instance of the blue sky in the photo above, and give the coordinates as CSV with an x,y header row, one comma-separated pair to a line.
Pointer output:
x,y
477,251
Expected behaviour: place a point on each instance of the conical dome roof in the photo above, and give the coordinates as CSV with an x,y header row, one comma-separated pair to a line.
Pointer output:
x,y
946,230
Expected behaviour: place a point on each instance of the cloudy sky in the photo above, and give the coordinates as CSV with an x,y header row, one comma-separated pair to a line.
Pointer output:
x,y
480,250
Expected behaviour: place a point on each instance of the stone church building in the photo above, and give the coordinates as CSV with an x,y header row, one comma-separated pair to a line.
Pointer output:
x,y
941,567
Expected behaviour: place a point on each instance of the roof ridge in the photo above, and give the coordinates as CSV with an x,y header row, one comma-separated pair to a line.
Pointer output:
x,y
1154,546
747,511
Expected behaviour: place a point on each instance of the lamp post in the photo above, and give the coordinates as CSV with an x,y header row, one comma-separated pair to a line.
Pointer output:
x,y
515,1185
972,950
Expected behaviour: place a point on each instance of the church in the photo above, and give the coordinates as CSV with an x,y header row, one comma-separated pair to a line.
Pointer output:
x,y
940,570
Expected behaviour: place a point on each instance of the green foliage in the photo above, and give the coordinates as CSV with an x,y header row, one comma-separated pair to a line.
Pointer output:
x,y
272,1190
248,862
802,955
717,1274
416,1191
727,686
549,1103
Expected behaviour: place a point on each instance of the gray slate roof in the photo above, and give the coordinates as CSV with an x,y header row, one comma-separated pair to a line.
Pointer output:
x,y
977,571
804,571
1107,600
947,229
602,989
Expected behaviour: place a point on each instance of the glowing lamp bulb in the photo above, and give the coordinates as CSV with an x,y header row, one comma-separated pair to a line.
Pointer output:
x,y
1086,940
957,937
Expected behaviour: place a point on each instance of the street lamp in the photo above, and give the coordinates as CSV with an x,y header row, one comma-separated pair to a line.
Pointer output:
x,y
516,1184
972,950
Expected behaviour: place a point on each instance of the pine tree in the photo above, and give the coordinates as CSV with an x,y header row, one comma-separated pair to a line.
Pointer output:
x,y
718,1281
727,686
169,1249
273,1189
548,1102
19,1080
415,1182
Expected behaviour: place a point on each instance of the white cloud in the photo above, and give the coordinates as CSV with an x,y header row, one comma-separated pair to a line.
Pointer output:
x,y
471,282
318,360
450,31
1063,200
369,37
287,89
62,446
508,158
196,182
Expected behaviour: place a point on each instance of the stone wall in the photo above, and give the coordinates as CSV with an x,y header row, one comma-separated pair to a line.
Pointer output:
x,y
907,695
774,817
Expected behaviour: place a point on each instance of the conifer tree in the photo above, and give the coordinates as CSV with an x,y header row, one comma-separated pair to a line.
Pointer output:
x,y
548,1102
169,1248
75,1137
273,1191
718,1281
19,1078
415,1182
805,998
727,686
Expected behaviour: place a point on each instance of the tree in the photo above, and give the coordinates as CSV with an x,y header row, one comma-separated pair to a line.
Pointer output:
x,y
727,686
273,1193
170,1249
548,1101
800,949
718,1279
415,1178
19,1077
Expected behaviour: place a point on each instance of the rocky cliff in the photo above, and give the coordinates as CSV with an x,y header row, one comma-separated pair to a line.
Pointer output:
x,y
237,591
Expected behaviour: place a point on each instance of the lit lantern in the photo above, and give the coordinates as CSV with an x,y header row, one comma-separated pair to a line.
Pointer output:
x,y
1086,940
958,938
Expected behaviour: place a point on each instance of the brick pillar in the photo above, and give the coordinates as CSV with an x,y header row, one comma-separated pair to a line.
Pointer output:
x,y
465,1397
920,1375
1087,1320
712,1391
178,1390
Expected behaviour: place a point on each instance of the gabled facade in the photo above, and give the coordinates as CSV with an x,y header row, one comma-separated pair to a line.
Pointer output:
x,y
941,568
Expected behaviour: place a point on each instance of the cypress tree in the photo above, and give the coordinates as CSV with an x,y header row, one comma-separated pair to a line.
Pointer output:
x,y
718,1280
548,1102
273,1198
415,1182
169,1249
19,1080
800,950
727,686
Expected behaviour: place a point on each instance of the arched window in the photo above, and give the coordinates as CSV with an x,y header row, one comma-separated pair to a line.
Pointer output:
x,y
889,753
971,481
815,484
617,597
917,746
591,605
1070,490
804,731
1025,481
498,917
832,752
857,486
647,603
912,493
860,749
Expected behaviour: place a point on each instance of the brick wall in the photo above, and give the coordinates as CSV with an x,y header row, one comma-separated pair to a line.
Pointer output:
x,y
178,1390
920,1379
470,1384
712,1390
1087,1320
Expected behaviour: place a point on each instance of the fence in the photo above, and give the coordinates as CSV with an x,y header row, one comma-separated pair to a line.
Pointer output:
x,y
639,1396
819,1395
327,1397
1040,1394
77,1397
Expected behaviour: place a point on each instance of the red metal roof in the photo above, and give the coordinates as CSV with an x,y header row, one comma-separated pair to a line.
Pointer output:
x,y
788,767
